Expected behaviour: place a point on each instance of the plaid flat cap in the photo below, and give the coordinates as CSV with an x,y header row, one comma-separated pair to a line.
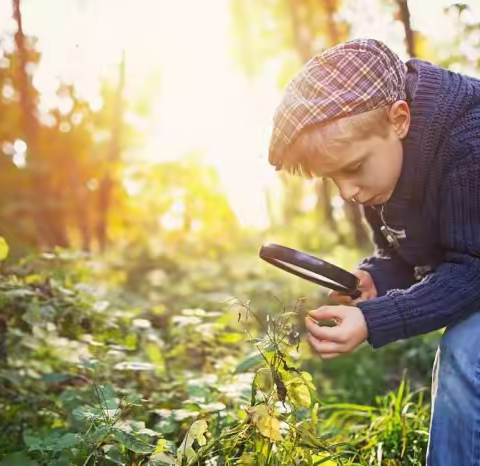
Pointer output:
x,y
348,79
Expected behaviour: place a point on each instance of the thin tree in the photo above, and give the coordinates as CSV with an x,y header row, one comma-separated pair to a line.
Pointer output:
x,y
404,16
38,182
106,183
352,210
303,40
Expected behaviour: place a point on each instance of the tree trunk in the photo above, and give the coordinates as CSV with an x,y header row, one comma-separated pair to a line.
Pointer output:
x,y
80,197
333,39
404,13
301,34
352,211
38,182
303,41
106,183
272,217
355,217
324,202
294,194
333,33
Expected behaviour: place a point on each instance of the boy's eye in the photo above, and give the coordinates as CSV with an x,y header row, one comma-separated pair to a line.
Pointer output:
x,y
353,168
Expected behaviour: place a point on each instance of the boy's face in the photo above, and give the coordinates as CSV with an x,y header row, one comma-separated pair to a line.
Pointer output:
x,y
364,171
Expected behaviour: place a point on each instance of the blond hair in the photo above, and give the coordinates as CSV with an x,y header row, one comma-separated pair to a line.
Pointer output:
x,y
313,140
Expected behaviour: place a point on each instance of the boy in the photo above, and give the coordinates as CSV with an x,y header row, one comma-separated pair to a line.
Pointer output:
x,y
403,139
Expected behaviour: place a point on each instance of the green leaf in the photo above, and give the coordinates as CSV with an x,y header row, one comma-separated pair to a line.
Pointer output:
x,y
230,337
161,445
196,432
314,421
60,462
166,426
18,293
352,407
161,459
254,340
54,378
115,455
93,414
3,248
105,392
131,341
299,395
198,391
99,434
263,418
324,460
132,443
32,441
38,315
249,363
133,399
308,379
68,441
17,459
53,442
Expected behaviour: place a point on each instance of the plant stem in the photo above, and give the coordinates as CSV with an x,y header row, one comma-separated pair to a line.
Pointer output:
x,y
270,445
88,459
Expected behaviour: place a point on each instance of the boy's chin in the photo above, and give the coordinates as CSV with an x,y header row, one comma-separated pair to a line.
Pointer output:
x,y
377,200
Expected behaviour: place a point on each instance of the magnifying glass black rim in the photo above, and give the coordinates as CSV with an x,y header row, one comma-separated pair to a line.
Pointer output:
x,y
277,255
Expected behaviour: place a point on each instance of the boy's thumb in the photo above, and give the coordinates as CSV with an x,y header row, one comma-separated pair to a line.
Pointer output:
x,y
325,312
364,278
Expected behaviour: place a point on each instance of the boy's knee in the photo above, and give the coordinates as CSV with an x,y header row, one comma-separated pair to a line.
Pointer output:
x,y
455,428
459,371
460,345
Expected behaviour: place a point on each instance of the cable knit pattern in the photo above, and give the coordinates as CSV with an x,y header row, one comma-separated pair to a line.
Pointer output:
x,y
437,203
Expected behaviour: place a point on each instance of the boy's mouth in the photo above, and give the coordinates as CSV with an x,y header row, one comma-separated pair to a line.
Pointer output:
x,y
373,200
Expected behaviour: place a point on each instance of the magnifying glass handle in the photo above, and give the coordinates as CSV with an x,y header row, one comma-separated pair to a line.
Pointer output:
x,y
356,294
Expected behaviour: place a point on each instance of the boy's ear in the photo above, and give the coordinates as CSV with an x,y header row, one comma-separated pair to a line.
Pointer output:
x,y
399,117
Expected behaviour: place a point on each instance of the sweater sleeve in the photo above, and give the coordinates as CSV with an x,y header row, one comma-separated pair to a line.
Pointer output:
x,y
453,290
387,268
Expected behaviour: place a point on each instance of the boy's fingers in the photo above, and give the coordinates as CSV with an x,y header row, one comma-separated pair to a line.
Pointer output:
x,y
363,281
324,347
324,333
327,312
340,298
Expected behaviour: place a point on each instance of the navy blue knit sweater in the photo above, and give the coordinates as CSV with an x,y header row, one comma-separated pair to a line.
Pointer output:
x,y
431,277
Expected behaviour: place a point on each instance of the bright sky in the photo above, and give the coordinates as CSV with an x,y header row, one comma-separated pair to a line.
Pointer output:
x,y
204,104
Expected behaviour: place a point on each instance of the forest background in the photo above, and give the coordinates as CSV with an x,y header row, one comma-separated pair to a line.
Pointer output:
x,y
137,323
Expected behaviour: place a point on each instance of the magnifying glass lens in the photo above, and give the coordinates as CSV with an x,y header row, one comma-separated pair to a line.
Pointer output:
x,y
310,268
308,273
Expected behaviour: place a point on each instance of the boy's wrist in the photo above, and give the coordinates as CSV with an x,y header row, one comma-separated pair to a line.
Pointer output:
x,y
384,320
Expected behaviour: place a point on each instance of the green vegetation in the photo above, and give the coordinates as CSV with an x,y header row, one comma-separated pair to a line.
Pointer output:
x,y
137,324
91,375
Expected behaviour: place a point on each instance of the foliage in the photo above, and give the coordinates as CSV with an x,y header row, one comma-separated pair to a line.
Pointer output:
x,y
393,431
51,189
140,356
466,39
93,376
376,371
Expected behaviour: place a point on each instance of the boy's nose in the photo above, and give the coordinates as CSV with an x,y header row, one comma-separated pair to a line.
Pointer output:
x,y
348,191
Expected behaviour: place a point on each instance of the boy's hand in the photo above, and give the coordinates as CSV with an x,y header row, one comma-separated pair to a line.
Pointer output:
x,y
329,342
366,286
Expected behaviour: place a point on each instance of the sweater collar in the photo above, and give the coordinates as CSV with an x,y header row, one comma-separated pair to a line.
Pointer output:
x,y
423,86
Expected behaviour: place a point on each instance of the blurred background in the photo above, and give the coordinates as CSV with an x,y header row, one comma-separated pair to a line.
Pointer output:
x,y
133,158
129,124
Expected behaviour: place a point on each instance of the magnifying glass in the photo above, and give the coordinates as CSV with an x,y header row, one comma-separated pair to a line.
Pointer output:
x,y
311,268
